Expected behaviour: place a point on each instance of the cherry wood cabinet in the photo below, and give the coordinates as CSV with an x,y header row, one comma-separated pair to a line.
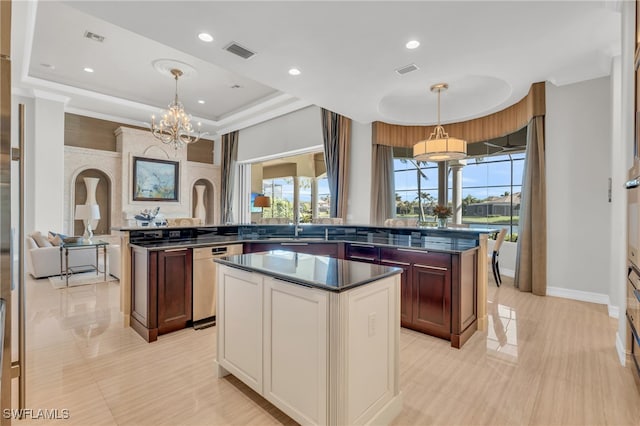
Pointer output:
x,y
431,299
406,290
438,291
161,291
174,289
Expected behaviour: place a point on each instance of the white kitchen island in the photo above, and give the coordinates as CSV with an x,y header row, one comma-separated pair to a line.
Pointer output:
x,y
318,337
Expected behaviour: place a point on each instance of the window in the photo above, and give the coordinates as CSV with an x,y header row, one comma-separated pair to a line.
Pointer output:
x,y
491,190
297,186
281,192
324,197
491,187
412,178
305,198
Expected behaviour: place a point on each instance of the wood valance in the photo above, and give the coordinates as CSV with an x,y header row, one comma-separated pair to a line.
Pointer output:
x,y
481,129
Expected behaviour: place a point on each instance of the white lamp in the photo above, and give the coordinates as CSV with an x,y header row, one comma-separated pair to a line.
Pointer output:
x,y
87,213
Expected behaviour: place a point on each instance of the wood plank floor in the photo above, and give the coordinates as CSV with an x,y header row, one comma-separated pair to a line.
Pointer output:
x,y
543,361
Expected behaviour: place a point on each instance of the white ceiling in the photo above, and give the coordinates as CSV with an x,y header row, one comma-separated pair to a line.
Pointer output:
x,y
488,52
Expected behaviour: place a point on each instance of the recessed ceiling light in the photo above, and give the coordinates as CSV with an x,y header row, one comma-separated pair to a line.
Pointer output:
x,y
200,101
87,69
205,37
294,71
412,44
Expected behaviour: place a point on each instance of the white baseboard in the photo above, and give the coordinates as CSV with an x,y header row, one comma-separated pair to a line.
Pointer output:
x,y
583,296
507,272
622,355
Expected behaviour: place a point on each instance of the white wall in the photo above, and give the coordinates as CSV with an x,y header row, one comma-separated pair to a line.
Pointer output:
x,y
578,162
301,131
618,252
291,133
45,165
358,207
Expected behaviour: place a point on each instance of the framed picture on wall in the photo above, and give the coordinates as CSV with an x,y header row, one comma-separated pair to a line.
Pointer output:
x,y
155,180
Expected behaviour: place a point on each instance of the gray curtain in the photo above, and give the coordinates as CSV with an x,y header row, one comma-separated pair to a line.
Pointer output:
x,y
336,132
229,158
531,261
382,184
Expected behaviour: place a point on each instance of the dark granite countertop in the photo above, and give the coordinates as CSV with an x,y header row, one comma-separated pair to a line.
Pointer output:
x,y
435,243
321,272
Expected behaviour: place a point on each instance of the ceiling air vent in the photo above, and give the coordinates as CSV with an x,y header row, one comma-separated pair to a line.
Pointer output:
x,y
94,36
236,49
407,69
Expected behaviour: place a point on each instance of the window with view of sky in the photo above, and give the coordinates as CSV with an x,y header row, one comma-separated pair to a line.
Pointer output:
x,y
491,189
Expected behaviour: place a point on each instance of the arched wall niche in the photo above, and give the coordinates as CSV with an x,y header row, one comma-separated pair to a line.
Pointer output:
x,y
103,198
209,198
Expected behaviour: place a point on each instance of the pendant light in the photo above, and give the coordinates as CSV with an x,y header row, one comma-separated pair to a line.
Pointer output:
x,y
439,146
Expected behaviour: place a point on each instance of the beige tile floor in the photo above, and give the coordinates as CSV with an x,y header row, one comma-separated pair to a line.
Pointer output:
x,y
543,361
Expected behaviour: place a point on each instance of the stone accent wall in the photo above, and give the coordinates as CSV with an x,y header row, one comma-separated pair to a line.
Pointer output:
x,y
118,167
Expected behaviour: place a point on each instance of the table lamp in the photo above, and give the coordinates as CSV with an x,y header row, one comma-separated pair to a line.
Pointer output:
x,y
87,213
262,201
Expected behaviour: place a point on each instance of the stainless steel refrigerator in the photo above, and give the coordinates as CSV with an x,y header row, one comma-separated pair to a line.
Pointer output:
x,y
5,206
10,369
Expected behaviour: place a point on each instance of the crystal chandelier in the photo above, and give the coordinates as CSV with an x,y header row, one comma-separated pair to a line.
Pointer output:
x,y
175,126
439,146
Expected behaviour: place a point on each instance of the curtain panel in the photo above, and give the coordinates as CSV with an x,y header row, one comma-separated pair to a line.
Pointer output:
x,y
336,133
382,184
228,166
531,261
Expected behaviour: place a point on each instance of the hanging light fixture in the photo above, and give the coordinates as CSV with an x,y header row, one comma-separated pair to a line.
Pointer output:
x,y
439,146
175,126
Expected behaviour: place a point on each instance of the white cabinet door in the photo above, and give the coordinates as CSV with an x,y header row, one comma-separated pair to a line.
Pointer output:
x,y
240,325
295,357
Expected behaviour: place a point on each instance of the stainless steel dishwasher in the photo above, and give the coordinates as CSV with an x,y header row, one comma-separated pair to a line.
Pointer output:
x,y
204,282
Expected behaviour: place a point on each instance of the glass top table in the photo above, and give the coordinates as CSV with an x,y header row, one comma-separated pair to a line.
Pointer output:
x,y
82,245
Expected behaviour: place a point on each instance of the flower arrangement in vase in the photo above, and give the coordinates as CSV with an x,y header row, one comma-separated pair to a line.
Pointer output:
x,y
442,213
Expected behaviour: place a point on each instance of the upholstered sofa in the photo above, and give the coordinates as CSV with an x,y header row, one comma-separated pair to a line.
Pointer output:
x,y
43,258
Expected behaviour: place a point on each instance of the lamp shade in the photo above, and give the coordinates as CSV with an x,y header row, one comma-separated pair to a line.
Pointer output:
x,y
87,212
440,149
262,201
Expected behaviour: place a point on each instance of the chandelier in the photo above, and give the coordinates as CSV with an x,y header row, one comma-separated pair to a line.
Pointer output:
x,y
439,146
175,126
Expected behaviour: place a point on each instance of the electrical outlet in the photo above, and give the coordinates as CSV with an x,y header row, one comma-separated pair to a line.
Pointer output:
x,y
372,324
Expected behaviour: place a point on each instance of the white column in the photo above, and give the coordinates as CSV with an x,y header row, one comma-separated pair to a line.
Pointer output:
x,y
456,170
47,169
358,206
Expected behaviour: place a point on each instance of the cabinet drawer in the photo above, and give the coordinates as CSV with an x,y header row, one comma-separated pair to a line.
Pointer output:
x,y
362,252
415,256
633,305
